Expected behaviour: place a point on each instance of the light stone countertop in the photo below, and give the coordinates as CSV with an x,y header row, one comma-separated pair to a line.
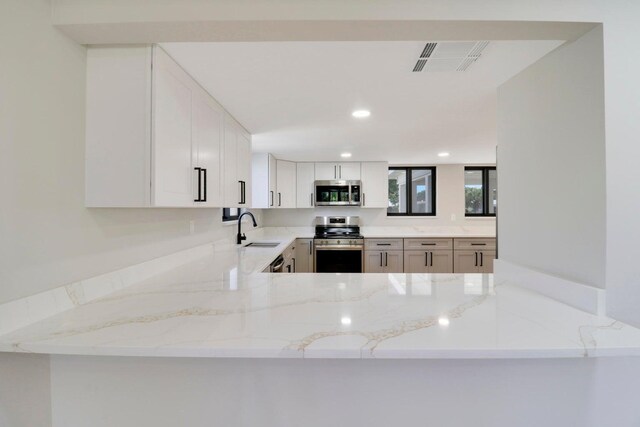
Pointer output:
x,y
220,305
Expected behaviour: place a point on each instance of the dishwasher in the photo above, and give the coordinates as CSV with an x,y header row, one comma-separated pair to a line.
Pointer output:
x,y
277,266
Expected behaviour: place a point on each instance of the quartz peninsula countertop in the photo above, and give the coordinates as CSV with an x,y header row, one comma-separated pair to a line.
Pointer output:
x,y
221,305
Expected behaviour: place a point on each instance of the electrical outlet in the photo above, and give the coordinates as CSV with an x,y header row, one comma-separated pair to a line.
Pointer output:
x,y
192,227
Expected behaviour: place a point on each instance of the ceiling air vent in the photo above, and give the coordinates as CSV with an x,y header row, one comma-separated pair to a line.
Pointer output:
x,y
449,56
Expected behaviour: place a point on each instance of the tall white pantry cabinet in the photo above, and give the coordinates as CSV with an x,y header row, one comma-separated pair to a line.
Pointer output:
x,y
156,138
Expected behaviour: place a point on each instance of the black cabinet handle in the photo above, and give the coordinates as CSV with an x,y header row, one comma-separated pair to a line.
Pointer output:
x,y
279,199
383,244
244,192
271,198
335,172
204,183
199,199
476,259
426,259
340,167
294,264
380,259
478,244
311,198
240,202
481,260
431,259
428,244
310,247
386,259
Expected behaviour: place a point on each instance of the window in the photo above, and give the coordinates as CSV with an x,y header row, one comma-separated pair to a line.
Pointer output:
x,y
480,191
231,214
412,191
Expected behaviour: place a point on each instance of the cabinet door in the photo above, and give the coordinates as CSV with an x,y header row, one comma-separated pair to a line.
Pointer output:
x,y
465,261
286,184
375,176
416,261
326,171
394,262
374,262
172,171
486,261
441,262
207,128
305,176
304,256
349,171
273,177
244,167
230,161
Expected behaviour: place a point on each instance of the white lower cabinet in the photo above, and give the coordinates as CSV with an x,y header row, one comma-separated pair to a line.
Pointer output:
x,y
304,256
155,137
375,184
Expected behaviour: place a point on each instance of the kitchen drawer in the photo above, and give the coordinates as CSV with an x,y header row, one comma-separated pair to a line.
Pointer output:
x,y
382,244
475,244
428,244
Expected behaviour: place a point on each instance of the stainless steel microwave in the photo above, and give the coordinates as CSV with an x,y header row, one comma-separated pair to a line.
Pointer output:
x,y
338,193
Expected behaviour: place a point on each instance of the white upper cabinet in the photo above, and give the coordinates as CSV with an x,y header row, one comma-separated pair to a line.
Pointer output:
x,y
207,134
305,177
349,171
154,136
236,165
274,182
263,174
286,184
172,183
341,171
375,176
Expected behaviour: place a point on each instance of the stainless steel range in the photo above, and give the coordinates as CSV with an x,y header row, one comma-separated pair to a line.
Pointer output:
x,y
338,245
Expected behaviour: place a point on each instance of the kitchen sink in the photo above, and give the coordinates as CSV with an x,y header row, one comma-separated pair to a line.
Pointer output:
x,y
262,244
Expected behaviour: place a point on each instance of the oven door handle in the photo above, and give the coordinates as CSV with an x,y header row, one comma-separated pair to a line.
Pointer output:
x,y
338,247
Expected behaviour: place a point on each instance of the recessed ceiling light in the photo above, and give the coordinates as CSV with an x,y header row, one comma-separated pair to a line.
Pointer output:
x,y
360,114
345,155
443,321
443,154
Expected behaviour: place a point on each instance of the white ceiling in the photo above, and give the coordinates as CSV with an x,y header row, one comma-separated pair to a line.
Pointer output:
x,y
296,98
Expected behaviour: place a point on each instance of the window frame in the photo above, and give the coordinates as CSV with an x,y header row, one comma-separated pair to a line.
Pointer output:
x,y
485,191
226,214
408,170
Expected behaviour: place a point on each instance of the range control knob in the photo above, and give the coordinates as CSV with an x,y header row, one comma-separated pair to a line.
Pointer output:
x,y
338,241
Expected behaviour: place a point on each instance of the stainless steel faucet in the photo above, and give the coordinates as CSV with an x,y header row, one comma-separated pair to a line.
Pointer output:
x,y
240,237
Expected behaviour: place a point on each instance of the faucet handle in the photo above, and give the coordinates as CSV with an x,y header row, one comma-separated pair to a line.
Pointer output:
x,y
243,237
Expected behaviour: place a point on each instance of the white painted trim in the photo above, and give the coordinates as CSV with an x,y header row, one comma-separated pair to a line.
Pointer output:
x,y
578,295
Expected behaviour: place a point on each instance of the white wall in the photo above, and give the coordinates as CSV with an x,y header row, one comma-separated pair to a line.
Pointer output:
x,y
25,390
318,393
551,154
450,201
47,237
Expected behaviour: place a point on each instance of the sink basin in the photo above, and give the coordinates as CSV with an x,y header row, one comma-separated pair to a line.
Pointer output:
x,y
262,244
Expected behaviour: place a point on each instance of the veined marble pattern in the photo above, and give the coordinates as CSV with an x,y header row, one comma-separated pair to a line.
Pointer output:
x,y
212,307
